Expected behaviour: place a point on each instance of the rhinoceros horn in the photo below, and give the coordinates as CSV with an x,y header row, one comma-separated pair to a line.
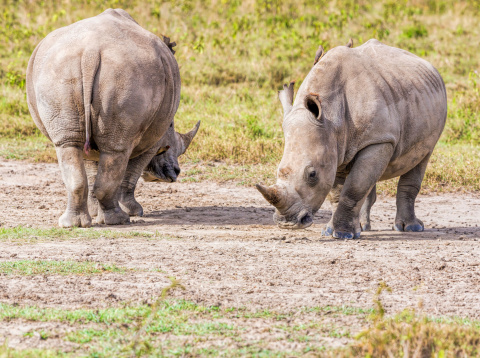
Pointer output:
x,y
350,43
273,194
188,137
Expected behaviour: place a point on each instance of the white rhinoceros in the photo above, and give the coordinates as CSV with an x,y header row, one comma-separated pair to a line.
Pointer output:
x,y
111,88
361,115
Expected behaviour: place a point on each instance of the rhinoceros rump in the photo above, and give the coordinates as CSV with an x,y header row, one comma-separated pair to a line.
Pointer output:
x,y
107,84
362,115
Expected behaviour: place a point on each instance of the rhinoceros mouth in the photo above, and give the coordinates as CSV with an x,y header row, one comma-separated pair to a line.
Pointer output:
x,y
295,222
153,177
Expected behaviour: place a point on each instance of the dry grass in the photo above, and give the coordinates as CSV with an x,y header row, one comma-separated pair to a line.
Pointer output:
x,y
410,335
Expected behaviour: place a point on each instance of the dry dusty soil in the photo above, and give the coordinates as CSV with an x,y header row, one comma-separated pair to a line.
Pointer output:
x,y
219,240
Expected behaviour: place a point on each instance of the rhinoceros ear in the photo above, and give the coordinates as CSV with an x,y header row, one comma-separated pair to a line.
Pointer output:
x,y
162,150
350,43
286,98
318,55
314,105
170,45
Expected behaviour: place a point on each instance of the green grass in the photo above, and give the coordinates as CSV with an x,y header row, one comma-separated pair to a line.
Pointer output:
x,y
32,148
51,267
26,234
235,56
178,327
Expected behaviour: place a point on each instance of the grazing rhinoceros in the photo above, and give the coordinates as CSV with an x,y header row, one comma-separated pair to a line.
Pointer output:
x,y
163,167
362,115
105,84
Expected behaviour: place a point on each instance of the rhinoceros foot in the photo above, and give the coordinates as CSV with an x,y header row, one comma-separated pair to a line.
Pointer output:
x,y
366,226
77,219
414,226
92,205
132,207
328,231
346,235
114,216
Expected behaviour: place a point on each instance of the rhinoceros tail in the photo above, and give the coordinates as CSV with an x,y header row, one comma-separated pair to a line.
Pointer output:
x,y
89,65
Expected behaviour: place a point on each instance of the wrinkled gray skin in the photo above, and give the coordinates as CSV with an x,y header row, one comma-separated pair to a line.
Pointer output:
x,y
362,115
107,84
163,167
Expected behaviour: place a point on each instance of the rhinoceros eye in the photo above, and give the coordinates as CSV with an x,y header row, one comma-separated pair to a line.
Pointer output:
x,y
310,175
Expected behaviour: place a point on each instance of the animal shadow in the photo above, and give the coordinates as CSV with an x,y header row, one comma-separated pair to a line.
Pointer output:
x,y
220,215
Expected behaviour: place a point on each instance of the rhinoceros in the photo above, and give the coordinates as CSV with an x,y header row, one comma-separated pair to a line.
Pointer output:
x,y
361,115
108,86
163,167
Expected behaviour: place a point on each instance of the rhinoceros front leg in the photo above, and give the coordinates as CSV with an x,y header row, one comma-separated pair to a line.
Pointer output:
x,y
366,207
407,191
74,176
369,165
111,170
132,174
333,197
91,168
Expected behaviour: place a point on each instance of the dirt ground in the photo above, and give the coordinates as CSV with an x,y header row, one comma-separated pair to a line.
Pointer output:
x,y
220,242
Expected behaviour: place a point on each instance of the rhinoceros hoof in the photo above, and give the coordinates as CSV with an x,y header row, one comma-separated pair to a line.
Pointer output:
x,y
132,208
71,219
328,231
346,235
93,209
113,217
366,226
409,227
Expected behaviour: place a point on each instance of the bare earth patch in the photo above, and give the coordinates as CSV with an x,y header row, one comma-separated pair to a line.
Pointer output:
x,y
219,241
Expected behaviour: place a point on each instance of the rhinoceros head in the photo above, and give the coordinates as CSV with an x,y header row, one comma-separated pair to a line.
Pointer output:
x,y
164,165
307,170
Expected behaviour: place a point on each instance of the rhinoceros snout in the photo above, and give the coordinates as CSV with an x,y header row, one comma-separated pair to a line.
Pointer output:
x,y
300,221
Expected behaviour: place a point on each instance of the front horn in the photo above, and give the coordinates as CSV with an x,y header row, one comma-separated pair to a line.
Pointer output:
x,y
272,193
188,137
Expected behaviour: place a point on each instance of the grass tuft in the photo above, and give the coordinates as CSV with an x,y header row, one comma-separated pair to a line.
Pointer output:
x,y
32,234
51,267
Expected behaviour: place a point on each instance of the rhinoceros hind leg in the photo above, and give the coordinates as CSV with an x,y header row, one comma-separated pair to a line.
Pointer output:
x,y
91,167
359,183
366,207
132,174
407,191
111,170
74,176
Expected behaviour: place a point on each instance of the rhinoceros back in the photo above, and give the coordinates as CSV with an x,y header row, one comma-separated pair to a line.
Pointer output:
x,y
377,94
130,74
